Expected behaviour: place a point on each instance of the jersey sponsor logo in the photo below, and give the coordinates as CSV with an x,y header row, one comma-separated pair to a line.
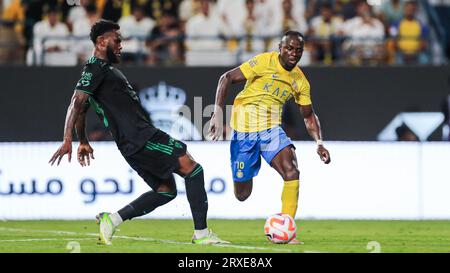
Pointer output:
x,y
86,78
276,91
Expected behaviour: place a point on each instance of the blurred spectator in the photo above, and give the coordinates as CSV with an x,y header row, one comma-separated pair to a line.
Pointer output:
x,y
391,11
347,8
154,9
15,12
404,133
33,13
325,30
233,13
166,46
134,29
271,13
251,30
287,21
365,37
48,46
77,12
111,9
11,37
187,9
290,20
204,29
410,37
81,28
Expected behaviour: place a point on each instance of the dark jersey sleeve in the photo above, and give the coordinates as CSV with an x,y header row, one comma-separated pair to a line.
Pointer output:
x,y
91,78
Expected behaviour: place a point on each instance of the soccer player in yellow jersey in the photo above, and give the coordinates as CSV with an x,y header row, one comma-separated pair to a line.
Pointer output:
x,y
271,79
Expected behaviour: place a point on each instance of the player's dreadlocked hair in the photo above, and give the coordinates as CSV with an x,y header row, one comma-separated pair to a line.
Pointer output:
x,y
100,27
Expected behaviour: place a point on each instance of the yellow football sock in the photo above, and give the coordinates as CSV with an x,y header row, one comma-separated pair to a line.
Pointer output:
x,y
289,197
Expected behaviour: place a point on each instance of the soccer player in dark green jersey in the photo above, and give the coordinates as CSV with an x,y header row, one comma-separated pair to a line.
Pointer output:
x,y
152,153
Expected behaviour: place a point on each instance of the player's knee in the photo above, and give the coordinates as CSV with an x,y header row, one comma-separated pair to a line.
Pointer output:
x,y
290,173
187,165
167,190
168,195
241,196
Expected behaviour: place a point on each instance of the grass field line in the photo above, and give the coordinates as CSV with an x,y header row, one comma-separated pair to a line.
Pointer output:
x,y
148,239
44,239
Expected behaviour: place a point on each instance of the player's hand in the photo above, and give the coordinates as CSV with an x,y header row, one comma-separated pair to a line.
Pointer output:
x,y
215,127
84,154
324,154
65,148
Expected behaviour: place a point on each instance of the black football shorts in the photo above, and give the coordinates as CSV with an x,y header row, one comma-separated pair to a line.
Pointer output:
x,y
158,159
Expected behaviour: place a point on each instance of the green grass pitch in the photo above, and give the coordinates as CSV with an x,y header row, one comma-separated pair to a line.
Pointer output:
x,y
173,236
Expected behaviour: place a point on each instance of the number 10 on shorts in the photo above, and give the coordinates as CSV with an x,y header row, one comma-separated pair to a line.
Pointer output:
x,y
239,165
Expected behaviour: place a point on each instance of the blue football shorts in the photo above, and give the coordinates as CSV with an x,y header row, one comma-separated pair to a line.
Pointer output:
x,y
247,148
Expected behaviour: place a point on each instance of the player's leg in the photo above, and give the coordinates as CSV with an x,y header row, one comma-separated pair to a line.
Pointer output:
x,y
155,166
245,163
195,189
285,163
278,150
243,189
165,191
198,200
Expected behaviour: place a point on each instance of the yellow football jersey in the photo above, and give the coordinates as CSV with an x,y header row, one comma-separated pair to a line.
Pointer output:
x,y
259,105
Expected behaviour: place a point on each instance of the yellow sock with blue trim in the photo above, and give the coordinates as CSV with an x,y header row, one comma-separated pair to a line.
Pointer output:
x,y
289,197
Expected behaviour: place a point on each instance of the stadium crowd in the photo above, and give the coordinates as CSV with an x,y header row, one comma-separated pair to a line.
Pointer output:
x,y
220,32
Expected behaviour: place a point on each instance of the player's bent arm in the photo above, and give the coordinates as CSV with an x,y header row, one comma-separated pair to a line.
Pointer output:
x,y
313,126
311,122
76,106
234,75
80,125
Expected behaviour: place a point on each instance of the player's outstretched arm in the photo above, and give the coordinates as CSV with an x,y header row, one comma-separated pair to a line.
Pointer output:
x,y
313,126
85,152
234,75
75,107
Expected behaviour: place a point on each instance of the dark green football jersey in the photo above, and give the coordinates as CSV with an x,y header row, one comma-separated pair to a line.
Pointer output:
x,y
117,105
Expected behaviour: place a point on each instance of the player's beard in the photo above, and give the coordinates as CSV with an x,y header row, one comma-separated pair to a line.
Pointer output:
x,y
111,56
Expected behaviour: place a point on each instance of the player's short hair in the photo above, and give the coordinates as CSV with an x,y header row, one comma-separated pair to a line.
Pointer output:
x,y
101,27
292,34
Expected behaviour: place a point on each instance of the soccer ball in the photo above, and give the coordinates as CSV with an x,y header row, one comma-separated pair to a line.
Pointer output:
x,y
280,228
